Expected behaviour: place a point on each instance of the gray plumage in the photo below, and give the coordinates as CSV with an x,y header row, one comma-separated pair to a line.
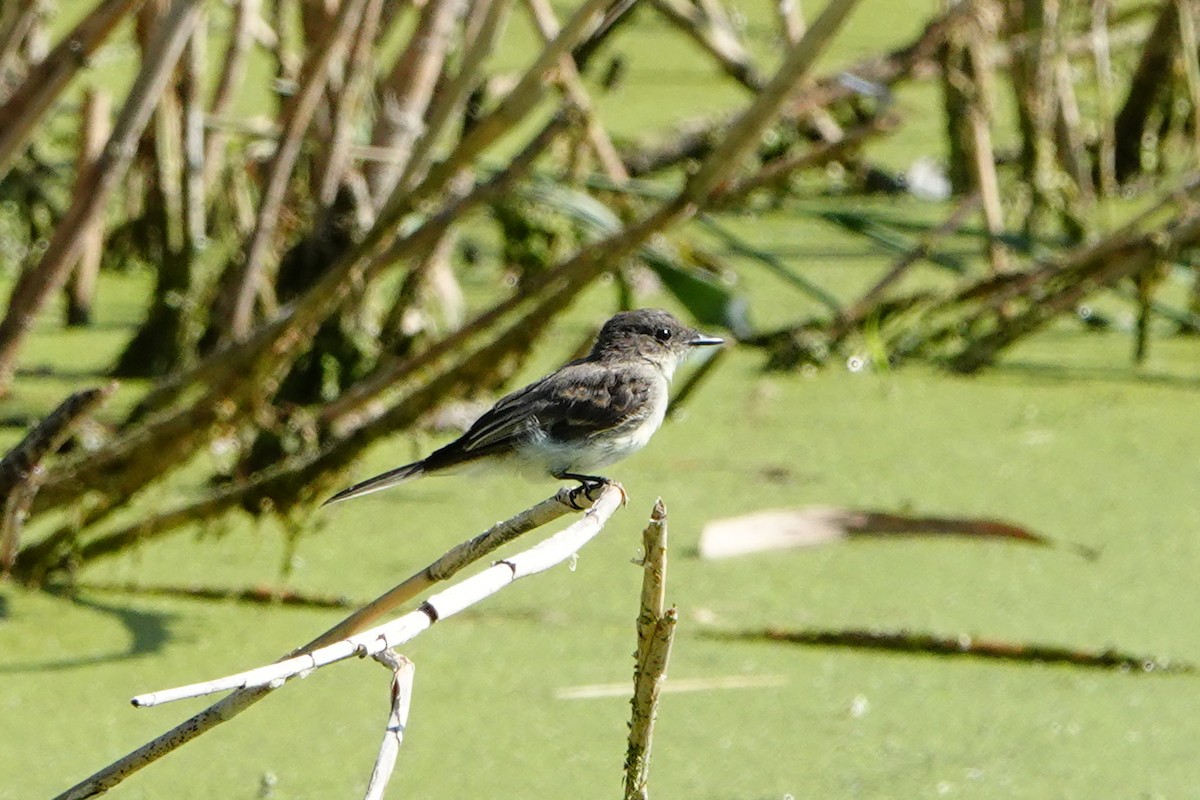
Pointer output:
x,y
585,415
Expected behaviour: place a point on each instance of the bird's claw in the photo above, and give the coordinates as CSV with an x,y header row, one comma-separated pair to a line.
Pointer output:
x,y
590,489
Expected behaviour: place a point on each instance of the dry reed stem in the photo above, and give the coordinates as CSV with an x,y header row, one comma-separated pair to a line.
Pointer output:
x,y
1102,62
777,172
486,21
166,140
96,125
983,157
1190,56
349,104
276,340
298,115
710,27
21,470
37,284
446,603
45,82
1072,144
744,133
233,70
407,92
791,20
568,76
1060,286
195,225
512,110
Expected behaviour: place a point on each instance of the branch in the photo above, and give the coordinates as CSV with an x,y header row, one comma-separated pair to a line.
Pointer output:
x,y
401,691
655,629
229,707
462,595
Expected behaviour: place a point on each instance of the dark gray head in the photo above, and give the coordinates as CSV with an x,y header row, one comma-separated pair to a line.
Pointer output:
x,y
651,334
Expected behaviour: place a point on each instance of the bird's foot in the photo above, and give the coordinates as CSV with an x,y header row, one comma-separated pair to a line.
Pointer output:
x,y
589,486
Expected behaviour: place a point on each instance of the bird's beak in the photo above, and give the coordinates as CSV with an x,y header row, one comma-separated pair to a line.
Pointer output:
x,y
703,340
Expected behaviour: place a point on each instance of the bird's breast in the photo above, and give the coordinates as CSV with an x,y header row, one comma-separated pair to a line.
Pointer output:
x,y
601,448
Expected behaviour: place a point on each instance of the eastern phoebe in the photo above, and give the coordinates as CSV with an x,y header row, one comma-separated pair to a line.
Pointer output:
x,y
583,416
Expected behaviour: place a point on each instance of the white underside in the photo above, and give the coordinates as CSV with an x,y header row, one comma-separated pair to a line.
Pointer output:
x,y
546,456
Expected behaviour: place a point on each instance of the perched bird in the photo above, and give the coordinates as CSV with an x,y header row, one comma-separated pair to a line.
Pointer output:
x,y
583,416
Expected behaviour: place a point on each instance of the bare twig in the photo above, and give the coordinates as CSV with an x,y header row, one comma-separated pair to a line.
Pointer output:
x,y
515,107
710,27
486,21
400,690
777,172
349,103
573,87
743,134
655,632
563,502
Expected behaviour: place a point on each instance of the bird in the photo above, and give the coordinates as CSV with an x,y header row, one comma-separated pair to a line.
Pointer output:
x,y
585,415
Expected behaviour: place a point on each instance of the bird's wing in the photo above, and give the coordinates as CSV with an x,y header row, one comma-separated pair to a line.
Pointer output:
x,y
577,401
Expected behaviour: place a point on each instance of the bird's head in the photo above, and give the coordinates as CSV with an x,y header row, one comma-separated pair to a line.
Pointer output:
x,y
650,334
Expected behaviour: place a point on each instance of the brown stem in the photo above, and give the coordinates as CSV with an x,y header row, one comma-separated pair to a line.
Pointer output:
x,y
407,93
233,69
349,103
36,285
47,80
243,288
96,126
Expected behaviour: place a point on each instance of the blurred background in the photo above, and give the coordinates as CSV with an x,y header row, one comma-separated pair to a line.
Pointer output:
x,y
256,250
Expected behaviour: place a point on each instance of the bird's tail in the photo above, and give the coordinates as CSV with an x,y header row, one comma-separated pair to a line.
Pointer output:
x,y
385,481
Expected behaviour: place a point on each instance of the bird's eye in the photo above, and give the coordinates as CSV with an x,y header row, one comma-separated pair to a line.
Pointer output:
x,y
662,334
